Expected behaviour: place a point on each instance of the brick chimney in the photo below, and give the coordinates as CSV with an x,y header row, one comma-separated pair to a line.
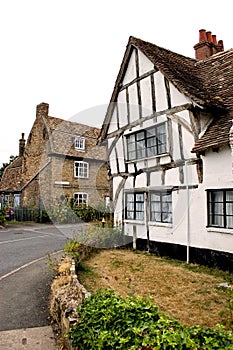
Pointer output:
x,y
21,145
208,45
42,110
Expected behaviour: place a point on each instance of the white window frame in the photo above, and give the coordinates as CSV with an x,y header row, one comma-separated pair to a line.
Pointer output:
x,y
79,170
81,194
79,143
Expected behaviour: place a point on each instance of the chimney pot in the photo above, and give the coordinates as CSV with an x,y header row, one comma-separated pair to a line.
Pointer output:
x,y
220,43
209,37
214,39
202,35
21,145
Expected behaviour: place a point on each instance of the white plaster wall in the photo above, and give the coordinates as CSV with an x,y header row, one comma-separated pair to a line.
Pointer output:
x,y
140,180
160,92
145,65
113,123
130,73
112,161
217,168
120,153
172,177
188,144
133,102
177,98
176,143
122,108
155,178
146,98
129,183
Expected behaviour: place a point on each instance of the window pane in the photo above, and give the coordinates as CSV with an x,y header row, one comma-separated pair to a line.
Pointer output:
x,y
139,215
216,196
229,221
139,197
229,208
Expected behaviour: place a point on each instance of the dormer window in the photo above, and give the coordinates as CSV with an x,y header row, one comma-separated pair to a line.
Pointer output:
x,y
79,143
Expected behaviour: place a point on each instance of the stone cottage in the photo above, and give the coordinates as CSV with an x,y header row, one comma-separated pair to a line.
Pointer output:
x,y
59,160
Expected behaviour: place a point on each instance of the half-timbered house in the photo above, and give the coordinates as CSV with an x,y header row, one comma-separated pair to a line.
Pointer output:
x,y
59,160
167,130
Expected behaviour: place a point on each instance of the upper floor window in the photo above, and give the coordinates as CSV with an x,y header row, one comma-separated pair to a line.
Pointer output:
x,y
147,143
220,208
79,143
81,169
161,207
134,206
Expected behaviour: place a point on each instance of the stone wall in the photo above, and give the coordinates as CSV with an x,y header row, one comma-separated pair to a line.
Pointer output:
x,y
66,294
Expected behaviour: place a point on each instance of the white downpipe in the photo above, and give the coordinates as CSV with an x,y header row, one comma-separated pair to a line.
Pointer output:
x,y
188,213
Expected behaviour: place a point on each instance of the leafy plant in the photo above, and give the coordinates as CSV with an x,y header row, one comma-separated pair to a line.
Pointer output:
x,y
108,321
2,216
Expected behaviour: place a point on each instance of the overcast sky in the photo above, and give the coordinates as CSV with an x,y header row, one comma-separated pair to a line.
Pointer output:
x,y
68,53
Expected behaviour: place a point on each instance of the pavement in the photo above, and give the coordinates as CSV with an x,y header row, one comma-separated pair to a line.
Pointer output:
x,y
38,338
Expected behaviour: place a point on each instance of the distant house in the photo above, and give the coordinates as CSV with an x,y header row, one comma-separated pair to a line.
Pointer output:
x,y
59,160
167,129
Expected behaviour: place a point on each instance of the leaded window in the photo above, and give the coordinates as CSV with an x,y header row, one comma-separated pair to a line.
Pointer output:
x,y
134,206
147,143
220,208
161,207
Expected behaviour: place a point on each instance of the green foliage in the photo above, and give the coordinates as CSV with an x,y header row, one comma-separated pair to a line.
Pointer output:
x,y
102,237
88,213
78,251
2,216
72,248
108,321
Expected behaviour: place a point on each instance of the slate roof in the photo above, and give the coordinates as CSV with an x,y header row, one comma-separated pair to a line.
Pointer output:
x,y
208,83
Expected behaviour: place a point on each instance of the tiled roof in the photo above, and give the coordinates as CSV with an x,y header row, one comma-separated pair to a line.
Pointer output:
x,y
12,176
62,136
208,83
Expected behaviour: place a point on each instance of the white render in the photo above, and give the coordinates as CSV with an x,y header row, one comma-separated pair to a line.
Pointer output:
x,y
175,170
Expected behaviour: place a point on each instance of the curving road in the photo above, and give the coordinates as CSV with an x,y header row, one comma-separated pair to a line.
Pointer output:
x,y
25,276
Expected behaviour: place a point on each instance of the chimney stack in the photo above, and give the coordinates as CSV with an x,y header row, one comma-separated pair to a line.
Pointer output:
x,y
21,145
42,110
207,45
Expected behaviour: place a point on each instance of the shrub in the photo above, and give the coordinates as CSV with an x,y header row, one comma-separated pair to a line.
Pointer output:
x,y
2,216
108,321
102,237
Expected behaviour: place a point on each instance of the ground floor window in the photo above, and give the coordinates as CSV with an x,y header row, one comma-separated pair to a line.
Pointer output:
x,y
220,208
80,198
161,207
134,206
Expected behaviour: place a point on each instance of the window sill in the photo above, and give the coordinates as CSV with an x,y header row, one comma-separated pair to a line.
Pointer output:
x,y
220,230
148,158
79,150
160,224
134,222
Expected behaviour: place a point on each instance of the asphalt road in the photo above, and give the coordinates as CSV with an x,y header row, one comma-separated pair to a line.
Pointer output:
x,y
25,275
